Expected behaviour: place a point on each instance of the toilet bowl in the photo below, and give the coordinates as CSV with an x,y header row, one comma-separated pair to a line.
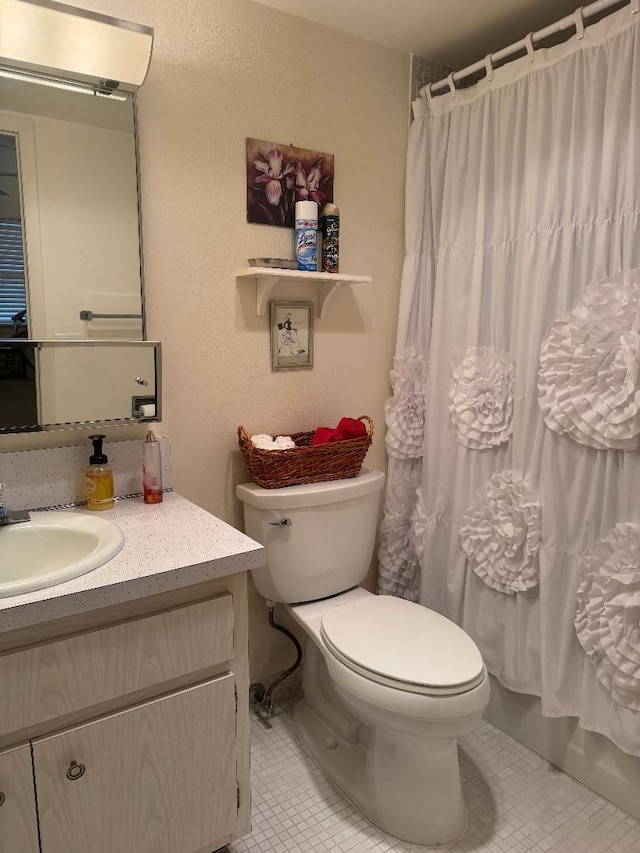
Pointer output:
x,y
387,736
389,686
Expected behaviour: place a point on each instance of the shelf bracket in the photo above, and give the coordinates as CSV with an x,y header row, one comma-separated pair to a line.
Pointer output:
x,y
264,286
326,289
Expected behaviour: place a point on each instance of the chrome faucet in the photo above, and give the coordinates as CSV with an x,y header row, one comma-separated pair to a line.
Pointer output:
x,y
14,517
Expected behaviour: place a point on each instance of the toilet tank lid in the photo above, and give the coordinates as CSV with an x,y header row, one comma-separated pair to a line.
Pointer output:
x,y
403,641
311,494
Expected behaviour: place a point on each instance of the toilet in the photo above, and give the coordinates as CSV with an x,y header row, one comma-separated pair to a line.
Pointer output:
x,y
389,686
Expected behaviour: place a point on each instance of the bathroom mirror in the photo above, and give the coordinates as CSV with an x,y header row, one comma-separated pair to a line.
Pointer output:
x,y
68,187
70,261
59,384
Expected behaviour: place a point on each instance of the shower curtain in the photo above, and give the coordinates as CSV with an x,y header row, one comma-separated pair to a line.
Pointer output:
x,y
513,497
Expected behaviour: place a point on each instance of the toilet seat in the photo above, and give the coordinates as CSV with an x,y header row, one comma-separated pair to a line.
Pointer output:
x,y
403,645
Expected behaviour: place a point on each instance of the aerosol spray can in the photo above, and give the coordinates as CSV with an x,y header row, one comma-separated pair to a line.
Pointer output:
x,y
306,217
330,238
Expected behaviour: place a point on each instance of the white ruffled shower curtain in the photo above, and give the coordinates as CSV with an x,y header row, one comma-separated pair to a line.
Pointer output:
x,y
513,497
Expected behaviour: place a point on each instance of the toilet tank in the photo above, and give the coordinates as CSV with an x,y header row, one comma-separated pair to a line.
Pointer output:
x,y
319,538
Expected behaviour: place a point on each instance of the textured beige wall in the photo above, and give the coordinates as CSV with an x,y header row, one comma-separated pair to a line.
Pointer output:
x,y
223,70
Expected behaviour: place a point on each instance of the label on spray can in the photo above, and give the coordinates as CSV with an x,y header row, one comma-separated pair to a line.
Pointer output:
x,y
307,244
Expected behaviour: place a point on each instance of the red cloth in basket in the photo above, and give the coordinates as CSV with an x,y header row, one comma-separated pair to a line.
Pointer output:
x,y
347,428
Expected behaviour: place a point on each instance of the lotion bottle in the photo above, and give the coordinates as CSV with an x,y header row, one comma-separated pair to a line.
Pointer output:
x,y
151,469
99,478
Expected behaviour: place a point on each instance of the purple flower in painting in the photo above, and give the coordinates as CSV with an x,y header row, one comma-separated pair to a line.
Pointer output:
x,y
278,175
272,175
308,185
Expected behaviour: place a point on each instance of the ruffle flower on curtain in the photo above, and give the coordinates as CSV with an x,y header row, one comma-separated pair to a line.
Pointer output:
x,y
589,378
404,412
500,534
607,619
402,535
481,398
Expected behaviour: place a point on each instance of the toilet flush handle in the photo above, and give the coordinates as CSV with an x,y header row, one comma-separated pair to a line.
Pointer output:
x,y
284,522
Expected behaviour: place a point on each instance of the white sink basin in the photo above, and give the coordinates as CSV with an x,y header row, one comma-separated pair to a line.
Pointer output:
x,y
52,548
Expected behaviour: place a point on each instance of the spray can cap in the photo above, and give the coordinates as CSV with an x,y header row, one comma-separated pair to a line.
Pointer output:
x,y
98,457
306,210
330,210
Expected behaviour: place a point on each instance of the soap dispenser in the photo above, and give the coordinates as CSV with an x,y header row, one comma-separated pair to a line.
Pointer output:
x,y
99,477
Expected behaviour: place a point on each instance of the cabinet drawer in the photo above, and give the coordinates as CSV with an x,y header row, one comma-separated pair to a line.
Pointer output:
x,y
157,778
63,677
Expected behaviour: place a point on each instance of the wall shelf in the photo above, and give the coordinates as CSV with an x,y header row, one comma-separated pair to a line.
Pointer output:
x,y
266,279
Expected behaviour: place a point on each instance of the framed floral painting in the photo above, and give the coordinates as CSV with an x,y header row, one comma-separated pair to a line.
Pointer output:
x,y
279,175
291,335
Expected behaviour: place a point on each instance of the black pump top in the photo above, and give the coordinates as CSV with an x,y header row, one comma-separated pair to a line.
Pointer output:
x,y
98,457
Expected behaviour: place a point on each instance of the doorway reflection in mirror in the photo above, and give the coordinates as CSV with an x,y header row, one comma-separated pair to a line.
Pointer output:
x,y
72,184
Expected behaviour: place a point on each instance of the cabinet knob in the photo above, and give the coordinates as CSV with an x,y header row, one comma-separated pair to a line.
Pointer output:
x,y
75,771
2,798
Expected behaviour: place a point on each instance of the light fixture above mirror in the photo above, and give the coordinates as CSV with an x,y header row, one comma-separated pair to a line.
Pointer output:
x,y
24,77
66,47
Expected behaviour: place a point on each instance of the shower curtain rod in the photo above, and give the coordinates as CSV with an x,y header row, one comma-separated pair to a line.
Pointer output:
x,y
525,43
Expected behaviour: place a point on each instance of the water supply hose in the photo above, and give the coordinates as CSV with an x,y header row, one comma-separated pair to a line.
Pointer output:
x,y
264,696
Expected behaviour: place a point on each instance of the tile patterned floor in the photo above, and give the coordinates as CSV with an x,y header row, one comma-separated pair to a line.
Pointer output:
x,y
518,803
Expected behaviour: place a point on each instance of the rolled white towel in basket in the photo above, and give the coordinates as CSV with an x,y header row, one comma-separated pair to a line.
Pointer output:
x,y
261,439
266,442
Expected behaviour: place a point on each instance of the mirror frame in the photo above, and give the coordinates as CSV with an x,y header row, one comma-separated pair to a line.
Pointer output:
x,y
39,343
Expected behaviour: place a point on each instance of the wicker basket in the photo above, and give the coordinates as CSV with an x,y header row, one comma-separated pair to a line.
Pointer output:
x,y
305,463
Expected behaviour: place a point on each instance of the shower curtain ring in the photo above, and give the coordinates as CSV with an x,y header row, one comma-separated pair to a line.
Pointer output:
x,y
635,7
451,84
530,48
426,92
488,64
579,19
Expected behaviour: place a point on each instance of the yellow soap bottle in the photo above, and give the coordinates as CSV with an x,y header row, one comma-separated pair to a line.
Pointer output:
x,y
99,478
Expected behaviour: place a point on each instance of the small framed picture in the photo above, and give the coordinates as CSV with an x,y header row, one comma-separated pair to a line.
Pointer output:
x,y
291,335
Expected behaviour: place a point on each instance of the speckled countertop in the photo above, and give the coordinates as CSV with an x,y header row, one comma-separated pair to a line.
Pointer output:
x,y
166,546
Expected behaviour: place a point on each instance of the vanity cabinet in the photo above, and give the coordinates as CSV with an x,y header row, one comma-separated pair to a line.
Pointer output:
x,y
160,776
133,725
18,822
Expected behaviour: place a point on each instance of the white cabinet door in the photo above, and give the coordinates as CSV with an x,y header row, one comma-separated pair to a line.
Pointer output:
x,y
157,778
18,823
